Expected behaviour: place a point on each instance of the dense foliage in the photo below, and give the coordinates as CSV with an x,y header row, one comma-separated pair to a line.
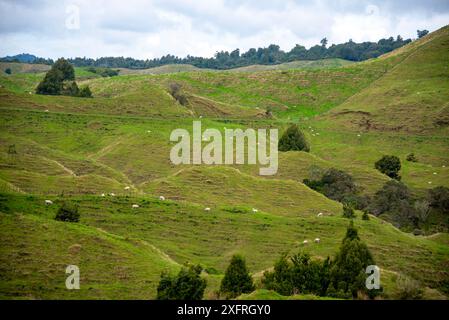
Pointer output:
x,y
293,140
68,213
389,165
237,279
59,80
342,277
186,285
268,55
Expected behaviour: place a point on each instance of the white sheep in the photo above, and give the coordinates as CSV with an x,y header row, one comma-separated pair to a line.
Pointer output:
x,y
207,209
255,210
305,242
135,206
112,194
48,202
319,214
317,240
46,110
127,188
162,198
103,195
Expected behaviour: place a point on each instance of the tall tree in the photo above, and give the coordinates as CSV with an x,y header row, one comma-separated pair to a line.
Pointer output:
x,y
237,279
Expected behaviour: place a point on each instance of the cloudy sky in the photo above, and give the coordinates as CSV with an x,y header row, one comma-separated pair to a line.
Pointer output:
x,y
148,29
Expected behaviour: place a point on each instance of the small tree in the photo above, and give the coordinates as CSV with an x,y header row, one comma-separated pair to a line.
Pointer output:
x,y
347,274
389,165
85,92
293,139
439,198
187,285
365,215
348,211
237,279
411,157
52,83
68,213
8,71
422,33
67,70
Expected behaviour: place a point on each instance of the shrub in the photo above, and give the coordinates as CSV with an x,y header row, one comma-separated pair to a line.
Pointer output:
x,y
392,195
408,289
187,285
85,92
52,84
411,157
293,140
298,274
348,211
8,71
176,92
68,213
439,198
237,279
67,70
365,215
347,273
71,89
389,165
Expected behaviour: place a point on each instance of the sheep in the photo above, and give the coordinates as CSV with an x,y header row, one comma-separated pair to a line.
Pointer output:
x,y
305,242
135,206
319,214
48,202
255,210
162,198
127,188
103,195
207,209
359,135
112,194
46,110
434,173
317,240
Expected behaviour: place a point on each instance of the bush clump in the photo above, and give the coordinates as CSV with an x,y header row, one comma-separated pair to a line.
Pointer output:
x,y
186,285
389,165
293,140
68,213
237,279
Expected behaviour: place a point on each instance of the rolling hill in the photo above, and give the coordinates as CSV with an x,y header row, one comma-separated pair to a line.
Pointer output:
x,y
73,149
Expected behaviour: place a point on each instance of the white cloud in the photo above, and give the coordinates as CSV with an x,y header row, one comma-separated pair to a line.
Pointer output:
x,y
147,29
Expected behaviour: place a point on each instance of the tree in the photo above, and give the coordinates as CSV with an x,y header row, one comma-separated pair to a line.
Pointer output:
x,y
387,199
323,42
422,33
237,279
85,92
8,71
422,210
411,157
52,84
67,70
348,211
347,273
389,165
70,89
439,198
187,285
293,139
68,213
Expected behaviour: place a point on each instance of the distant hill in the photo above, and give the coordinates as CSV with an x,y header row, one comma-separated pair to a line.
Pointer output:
x,y
23,57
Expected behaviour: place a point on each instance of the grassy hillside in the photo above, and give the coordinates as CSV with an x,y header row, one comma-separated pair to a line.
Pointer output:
x,y
74,149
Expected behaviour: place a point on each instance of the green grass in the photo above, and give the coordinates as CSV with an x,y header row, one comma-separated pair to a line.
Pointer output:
x,y
75,149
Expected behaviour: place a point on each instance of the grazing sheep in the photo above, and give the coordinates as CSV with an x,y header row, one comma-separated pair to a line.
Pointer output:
x,y
103,195
319,214
46,110
112,194
255,210
127,188
135,206
207,209
162,198
434,173
305,242
358,135
317,240
48,202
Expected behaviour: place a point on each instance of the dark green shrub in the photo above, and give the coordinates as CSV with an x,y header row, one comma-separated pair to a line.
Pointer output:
x,y
68,213
237,279
348,211
411,157
8,71
365,215
187,285
293,140
439,198
389,165
85,92
52,84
